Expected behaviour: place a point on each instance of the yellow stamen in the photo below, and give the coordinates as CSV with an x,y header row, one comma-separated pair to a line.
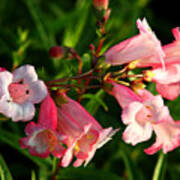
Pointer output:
x,y
132,65
76,148
89,136
148,75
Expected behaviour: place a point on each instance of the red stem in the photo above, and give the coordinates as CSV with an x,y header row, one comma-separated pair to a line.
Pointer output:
x,y
101,42
82,76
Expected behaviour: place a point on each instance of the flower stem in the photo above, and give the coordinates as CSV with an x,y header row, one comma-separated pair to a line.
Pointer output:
x,y
56,170
160,167
82,76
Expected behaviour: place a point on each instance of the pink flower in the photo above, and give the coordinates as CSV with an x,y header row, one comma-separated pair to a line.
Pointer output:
x,y
144,113
2,69
42,138
172,53
168,81
19,91
85,135
101,4
167,136
143,45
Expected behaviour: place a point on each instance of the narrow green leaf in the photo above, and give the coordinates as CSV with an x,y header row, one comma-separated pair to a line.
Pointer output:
x,y
159,168
4,171
129,164
33,175
92,106
35,12
75,28
97,99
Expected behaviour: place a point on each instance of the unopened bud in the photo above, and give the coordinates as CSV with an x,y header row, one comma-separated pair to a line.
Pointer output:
x,y
57,52
101,4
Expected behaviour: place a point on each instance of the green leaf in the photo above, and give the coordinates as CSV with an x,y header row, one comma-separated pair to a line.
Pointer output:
x,y
35,12
129,164
4,171
159,168
33,175
13,141
76,23
92,106
97,99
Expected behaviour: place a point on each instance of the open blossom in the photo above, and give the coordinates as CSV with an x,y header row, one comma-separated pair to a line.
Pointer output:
x,y
168,81
19,91
167,136
172,53
42,138
144,113
143,45
85,135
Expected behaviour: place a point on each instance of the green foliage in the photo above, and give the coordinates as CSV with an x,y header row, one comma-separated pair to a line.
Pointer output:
x,y
4,171
28,28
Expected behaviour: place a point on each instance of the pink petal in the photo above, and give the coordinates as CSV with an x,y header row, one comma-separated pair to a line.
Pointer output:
x,y
170,75
167,137
123,95
78,162
26,72
81,115
105,136
135,133
48,113
39,91
58,151
169,91
130,111
5,80
138,47
154,148
18,112
145,95
2,69
176,33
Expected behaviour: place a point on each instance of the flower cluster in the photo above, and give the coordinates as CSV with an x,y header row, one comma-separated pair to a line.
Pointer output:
x,y
65,129
143,112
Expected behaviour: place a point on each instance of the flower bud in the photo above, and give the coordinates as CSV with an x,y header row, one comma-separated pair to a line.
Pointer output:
x,y
56,52
101,4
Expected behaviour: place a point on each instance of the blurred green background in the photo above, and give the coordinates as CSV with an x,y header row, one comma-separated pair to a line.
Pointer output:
x,y
28,28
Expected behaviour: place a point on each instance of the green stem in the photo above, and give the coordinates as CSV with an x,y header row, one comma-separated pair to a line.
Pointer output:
x,y
159,169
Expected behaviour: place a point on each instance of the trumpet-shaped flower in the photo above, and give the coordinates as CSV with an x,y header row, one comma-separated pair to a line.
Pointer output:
x,y
85,135
42,138
167,136
143,45
172,53
19,91
144,113
168,81
140,118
